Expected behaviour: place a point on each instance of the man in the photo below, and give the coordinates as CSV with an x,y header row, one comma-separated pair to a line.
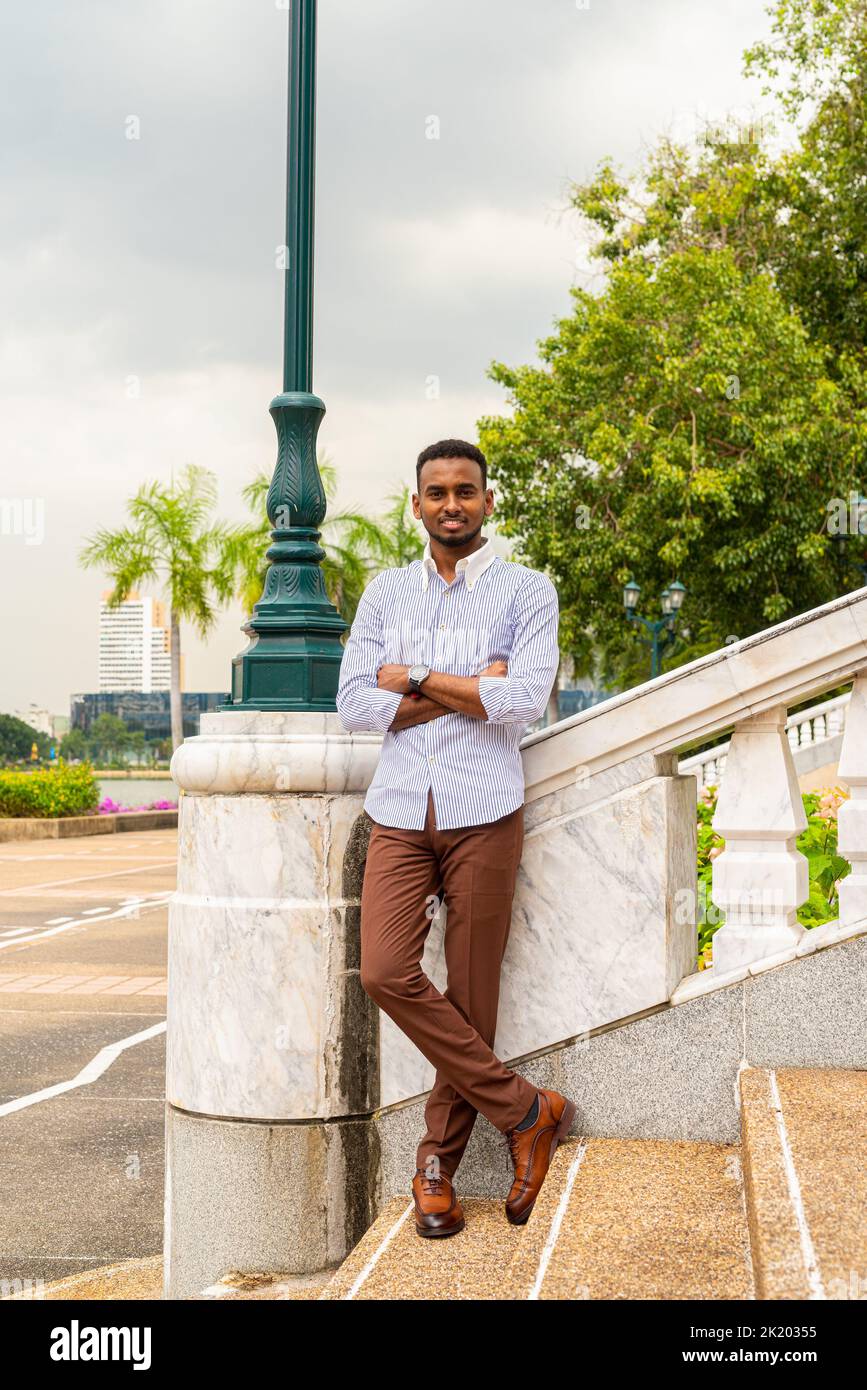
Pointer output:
x,y
452,657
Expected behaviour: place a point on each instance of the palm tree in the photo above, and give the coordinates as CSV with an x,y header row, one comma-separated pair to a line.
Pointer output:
x,y
356,546
172,541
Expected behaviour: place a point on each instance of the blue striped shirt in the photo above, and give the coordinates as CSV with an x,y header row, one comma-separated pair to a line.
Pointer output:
x,y
494,609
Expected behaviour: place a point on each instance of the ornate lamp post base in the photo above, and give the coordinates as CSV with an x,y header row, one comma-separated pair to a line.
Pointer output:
x,y
293,660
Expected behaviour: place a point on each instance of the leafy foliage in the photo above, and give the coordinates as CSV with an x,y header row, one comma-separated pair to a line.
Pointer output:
x,y
55,791
17,739
172,540
681,425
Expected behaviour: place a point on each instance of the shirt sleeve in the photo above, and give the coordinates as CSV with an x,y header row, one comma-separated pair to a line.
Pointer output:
x,y
362,706
522,695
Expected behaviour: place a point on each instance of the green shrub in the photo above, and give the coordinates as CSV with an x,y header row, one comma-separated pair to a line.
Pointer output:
x,y
818,842
54,791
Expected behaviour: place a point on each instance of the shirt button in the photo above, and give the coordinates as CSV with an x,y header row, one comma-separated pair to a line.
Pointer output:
x,y
430,760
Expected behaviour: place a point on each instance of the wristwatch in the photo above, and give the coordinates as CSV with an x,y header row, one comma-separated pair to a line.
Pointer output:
x,y
417,674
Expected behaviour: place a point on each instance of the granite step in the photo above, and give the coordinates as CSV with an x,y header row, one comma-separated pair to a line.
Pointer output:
x,y
783,1215
615,1219
804,1145
392,1261
636,1219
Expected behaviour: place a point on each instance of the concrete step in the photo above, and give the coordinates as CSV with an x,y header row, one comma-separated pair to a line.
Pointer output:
x,y
143,1279
616,1218
636,1219
392,1262
134,1279
804,1134
783,1215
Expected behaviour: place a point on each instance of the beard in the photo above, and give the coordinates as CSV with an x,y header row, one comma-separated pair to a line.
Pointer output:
x,y
454,537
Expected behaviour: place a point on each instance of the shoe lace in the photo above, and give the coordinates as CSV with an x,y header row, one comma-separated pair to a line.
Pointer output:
x,y
431,1186
510,1142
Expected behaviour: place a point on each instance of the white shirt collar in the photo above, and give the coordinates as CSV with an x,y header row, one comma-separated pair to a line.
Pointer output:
x,y
473,564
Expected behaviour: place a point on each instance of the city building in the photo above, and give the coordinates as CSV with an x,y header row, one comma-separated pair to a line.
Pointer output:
x,y
146,710
135,645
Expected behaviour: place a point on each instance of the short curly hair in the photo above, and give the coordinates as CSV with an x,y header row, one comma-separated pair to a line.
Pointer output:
x,y
451,449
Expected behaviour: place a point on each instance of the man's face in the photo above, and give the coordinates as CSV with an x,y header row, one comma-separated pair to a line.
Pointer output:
x,y
452,504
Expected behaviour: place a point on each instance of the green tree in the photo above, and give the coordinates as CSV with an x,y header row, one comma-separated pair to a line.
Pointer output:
x,y
136,744
109,739
815,62
800,215
17,737
681,425
174,542
74,745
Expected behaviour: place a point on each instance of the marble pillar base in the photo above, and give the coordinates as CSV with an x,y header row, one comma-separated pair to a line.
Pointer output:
x,y
293,1198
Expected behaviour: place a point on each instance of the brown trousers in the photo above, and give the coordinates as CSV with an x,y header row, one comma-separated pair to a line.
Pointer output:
x,y
474,868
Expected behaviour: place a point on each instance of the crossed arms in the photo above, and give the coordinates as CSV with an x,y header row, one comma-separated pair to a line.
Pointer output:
x,y
374,695
441,694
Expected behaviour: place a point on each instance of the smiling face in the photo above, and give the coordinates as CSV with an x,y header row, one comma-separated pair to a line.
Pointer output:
x,y
452,504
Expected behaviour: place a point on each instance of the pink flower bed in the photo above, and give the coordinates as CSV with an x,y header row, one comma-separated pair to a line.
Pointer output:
x,y
107,807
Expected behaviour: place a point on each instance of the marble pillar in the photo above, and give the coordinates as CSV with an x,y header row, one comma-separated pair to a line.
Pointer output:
x,y
271,1040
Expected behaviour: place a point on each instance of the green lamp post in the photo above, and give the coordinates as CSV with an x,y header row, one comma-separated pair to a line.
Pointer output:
x,y
293,658
662,631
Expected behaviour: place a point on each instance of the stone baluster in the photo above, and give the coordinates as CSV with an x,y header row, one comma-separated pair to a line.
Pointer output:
x,y
761,878
852,815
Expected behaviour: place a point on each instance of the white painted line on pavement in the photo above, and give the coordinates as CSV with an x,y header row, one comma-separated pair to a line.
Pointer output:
x,y
808,1253
557,1221
91,1072
377,1254
42,935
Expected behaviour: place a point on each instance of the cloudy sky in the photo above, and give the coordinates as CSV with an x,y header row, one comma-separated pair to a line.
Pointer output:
x,y
141,322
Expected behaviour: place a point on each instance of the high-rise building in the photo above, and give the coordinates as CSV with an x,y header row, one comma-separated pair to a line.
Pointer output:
x,y
134,646
39,719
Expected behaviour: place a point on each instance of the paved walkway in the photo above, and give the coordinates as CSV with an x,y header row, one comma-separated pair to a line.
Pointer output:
x,y
83,926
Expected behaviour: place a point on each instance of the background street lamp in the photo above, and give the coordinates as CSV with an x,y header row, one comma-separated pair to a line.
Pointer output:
x,y
663,632
293,659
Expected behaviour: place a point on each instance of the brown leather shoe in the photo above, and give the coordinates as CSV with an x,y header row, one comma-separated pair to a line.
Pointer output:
x,y
533,1148
437,1210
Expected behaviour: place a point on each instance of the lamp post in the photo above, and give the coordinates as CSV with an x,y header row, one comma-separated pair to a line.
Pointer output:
x,y
663,631
293,658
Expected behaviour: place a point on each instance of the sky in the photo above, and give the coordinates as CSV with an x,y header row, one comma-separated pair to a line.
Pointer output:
x,y
142,172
